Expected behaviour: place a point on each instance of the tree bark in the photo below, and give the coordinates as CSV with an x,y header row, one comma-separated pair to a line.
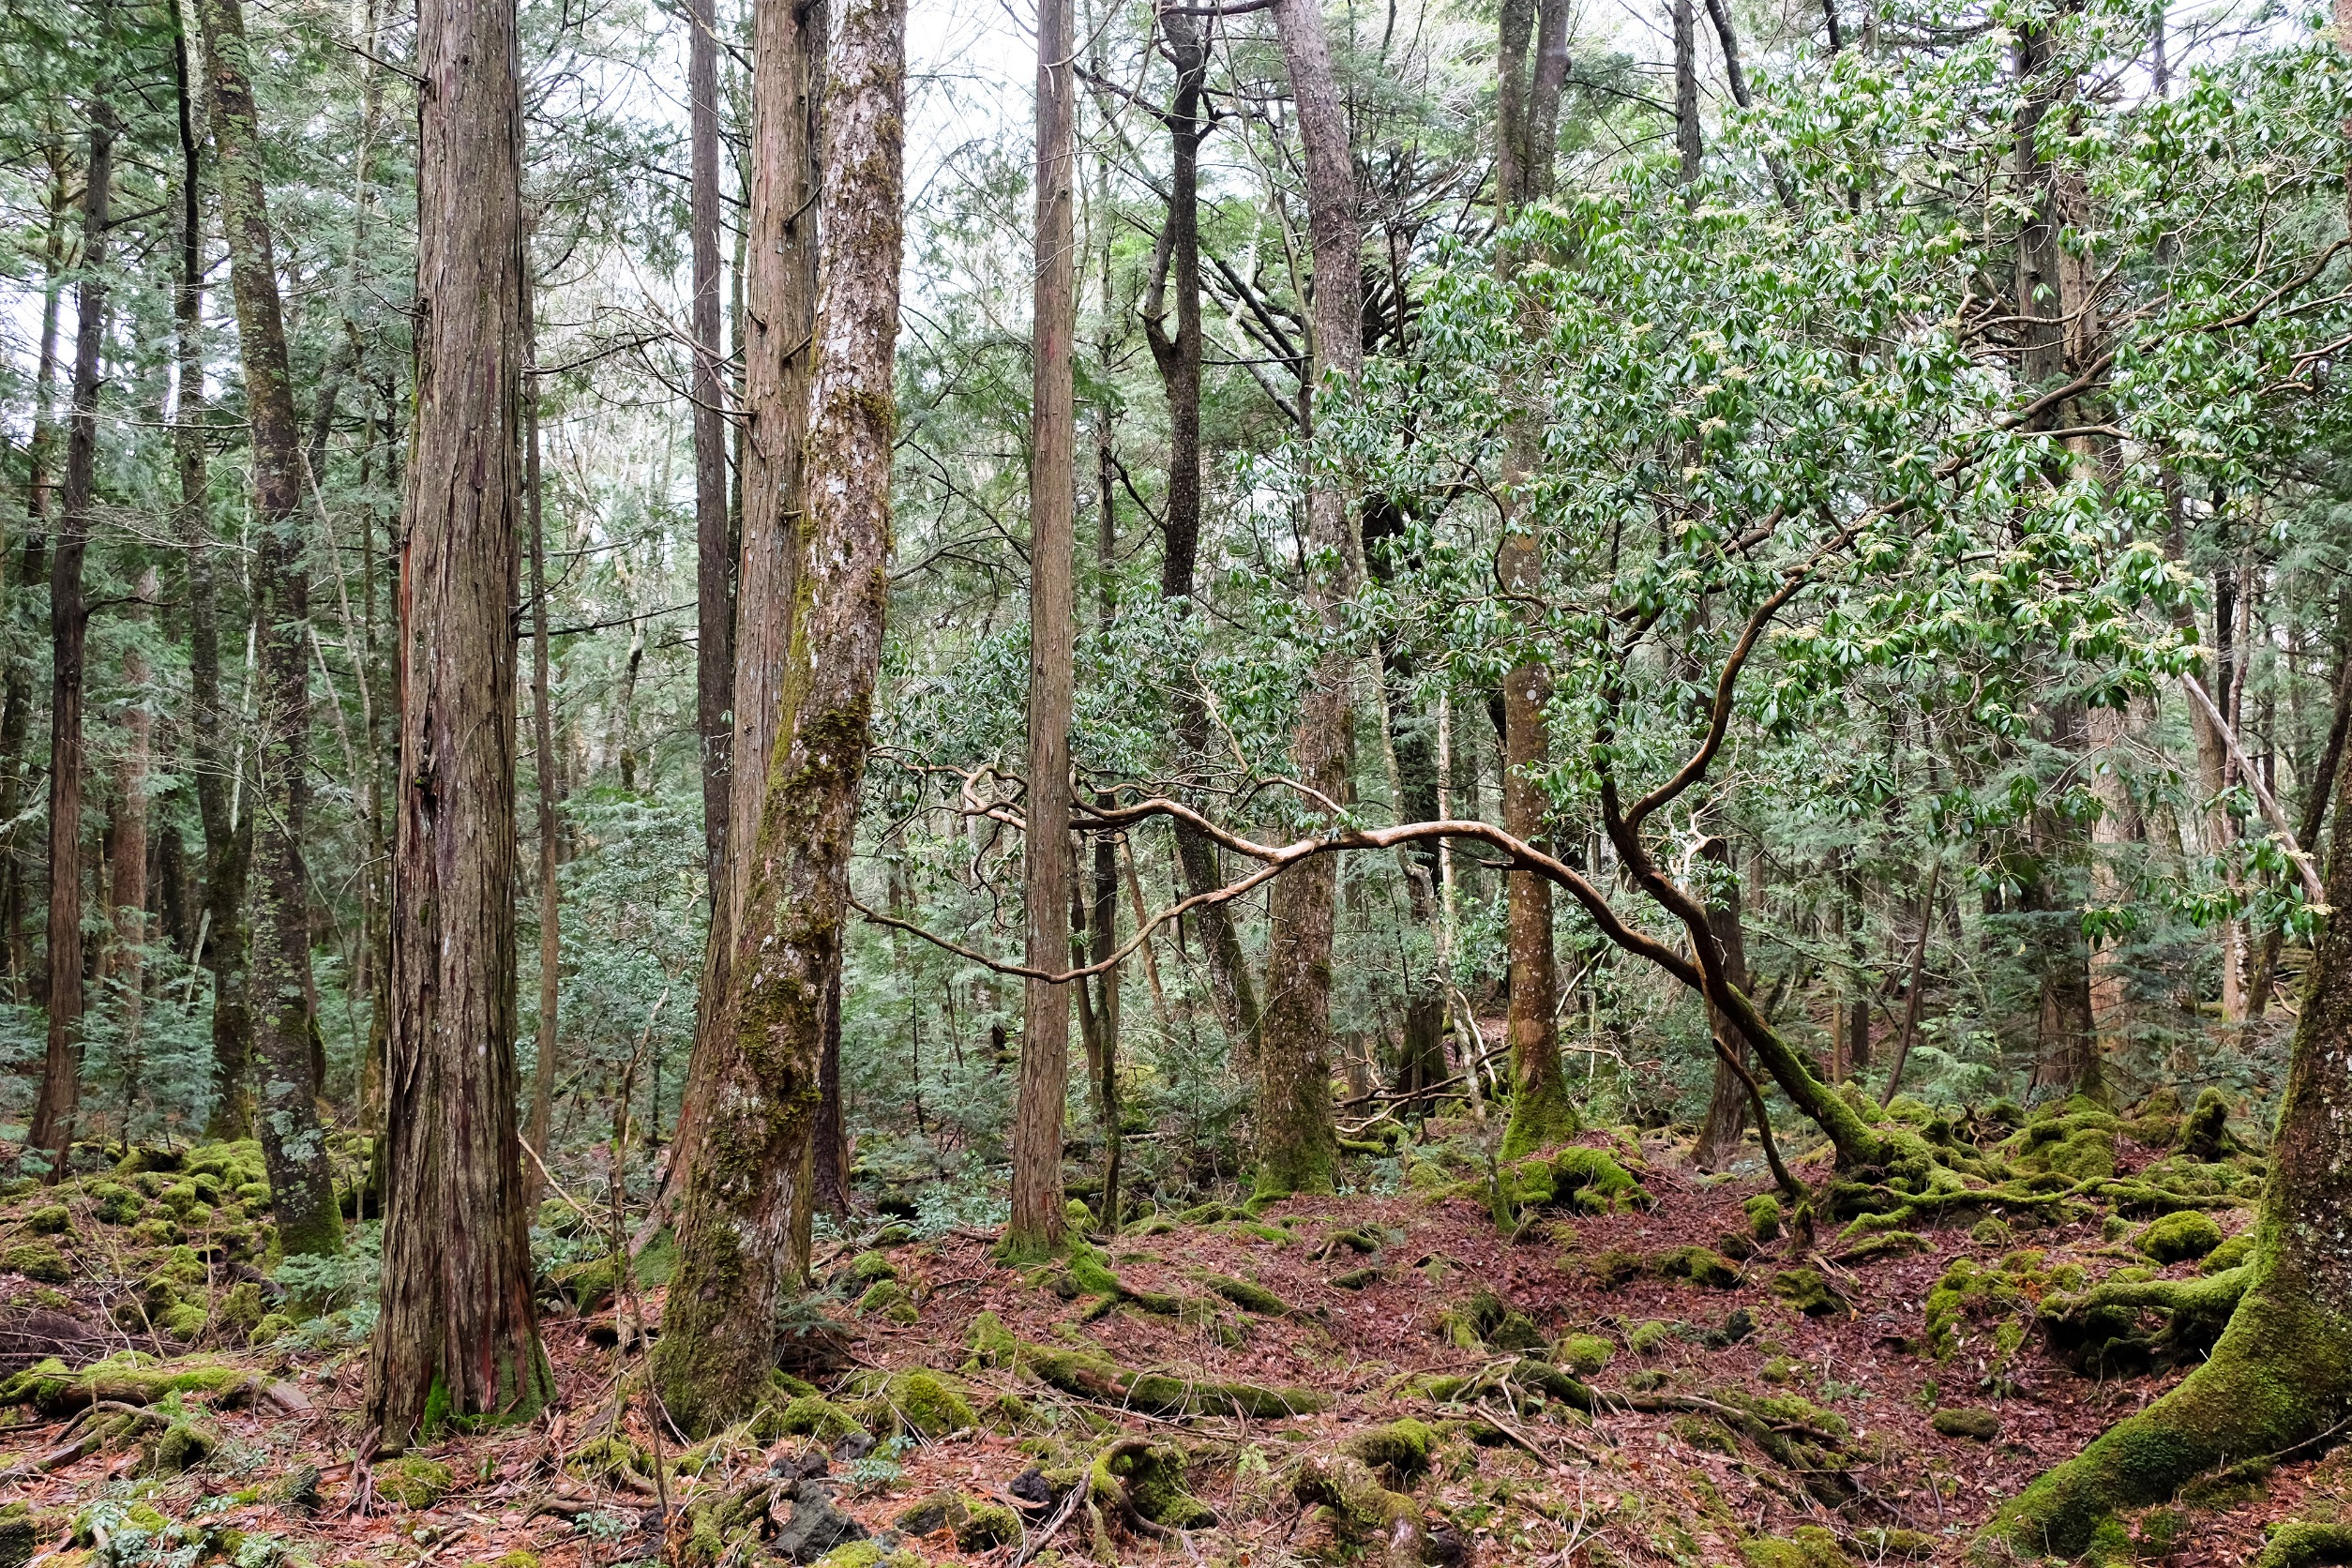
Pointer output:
x,y
1727,1102
1686,140
718,1339
16,686
829,1156
1541,1113
1036,1224
2317,791
127,890
715,606
778,278
68,625
458,1337
2282,1372
1297,1145
302,1192
543,742
1179,361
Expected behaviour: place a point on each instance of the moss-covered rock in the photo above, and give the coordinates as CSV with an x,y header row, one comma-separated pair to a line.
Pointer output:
x,y
991,1342
1487,1322
1807,1546
1763,1212
1148,1478
815,1416
1402,1449
183,1446
1348,1510
869,1267
2205,1131
891,1301
414,1484
49,1219
1589,1180
925,1405
1584,1353
36,1260
1700,1265
2179,1237
1971,1422
1649,1338
1807,1290
2229,1254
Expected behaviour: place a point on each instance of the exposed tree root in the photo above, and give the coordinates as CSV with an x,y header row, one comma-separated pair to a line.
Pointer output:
x,y
2300,1544
2105,1332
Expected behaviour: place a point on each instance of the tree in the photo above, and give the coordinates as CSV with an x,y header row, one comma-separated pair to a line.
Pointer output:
x,y
1527,137
778,273
1297,1143
1036,1225
458,1337
68,633
302,1192
751,1173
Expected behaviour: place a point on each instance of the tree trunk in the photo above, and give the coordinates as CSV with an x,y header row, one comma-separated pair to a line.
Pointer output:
x,y
1103,916
778,273
1036,1225
1541,1113
543,742
1727,1102
69,624
1686,141
715,599
2316,793
302,1192
127,890
1179,361
16,686
1297,1144
829,1139
458,1337
2281,1373
752,1164
2117,825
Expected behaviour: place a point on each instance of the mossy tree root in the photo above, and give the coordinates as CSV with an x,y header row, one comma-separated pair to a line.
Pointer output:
x,y
2300,1544
1102,1380
2082,1328
2278,1380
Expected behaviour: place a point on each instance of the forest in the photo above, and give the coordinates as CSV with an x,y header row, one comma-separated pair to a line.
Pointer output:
x,y
1240,782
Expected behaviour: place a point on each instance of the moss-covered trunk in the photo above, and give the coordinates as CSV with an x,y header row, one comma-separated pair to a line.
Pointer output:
x,y
302,1193
750,1169
2281,1374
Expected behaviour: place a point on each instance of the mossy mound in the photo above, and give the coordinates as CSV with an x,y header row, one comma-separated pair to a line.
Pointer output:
x,y
1981,1426
922,1404
2179,1237
1991,1308
812,1415
1700,1265
1584,1354
1487,1322
1348,1509
414,1484
1808,1547
1589,1180
1402,1449
1807,1290
1763,1212
1146,1481
36,1260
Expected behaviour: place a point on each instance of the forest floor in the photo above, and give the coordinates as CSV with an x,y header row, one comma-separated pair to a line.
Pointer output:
x,y
1781,1403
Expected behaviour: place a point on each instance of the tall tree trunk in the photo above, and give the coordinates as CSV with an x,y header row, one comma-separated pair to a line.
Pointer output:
x,y
718,1338
1727,1102
777,271
1036,1225
1297,1144
1103,916
1686,139
1178,265
1541,1113
302,1192
714,598
459,1334
16,686
829,1139
228,841
68,625
543,743
127,890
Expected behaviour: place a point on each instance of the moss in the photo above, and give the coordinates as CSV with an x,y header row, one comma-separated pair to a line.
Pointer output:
x,y
1966,1421
1990,1231
986,1524
2297,1542
183,1446
1485,1320
927,1404
1807,1290
128,1378
2229,1254
1763,1212
19,1535
1614,1266
185,1323
812,1415
1541,1116
1402,1448
1100,1379
991,1342
240,1309
1809,1546
891,1301
1649,1338
2205,1131
2179,1237
51,1219
414,1483
1346,1497
1584,1353
116,1204
1148,1478
1248,1296
1700,1265
36,1260
868,1268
